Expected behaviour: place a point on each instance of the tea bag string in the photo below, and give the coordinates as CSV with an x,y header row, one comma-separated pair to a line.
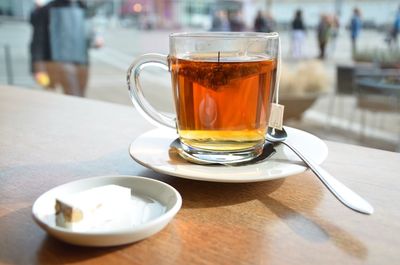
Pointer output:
x,y
278,72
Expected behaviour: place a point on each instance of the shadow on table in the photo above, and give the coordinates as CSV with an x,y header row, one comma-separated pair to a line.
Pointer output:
x,y
35,246
52,249
314,229
202,194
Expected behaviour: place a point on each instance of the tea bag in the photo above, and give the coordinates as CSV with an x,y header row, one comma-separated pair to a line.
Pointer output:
x,y
276,117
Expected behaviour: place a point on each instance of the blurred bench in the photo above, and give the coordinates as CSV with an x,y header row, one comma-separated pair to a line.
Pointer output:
x,y
345,86
378,92
351,78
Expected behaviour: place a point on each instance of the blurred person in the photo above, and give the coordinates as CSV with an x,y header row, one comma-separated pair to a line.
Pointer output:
x,y
61,43
355,28
298,34
236,21
38,67
264,23
220,21
260,23
323,31
395,30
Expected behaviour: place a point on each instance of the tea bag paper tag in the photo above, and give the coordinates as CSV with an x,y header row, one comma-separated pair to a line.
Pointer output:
x,y
276,117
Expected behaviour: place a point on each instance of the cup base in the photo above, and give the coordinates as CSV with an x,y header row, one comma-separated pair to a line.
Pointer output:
x,y
202,156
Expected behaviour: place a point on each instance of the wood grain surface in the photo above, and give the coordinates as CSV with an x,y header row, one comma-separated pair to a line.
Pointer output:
x,y
48,139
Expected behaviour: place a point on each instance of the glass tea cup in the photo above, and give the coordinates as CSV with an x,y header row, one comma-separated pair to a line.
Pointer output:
x,y
222,85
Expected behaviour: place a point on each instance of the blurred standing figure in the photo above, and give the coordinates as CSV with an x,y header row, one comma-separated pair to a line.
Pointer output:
x,y
355,28
236,21
323,32
260,24
220,21
298,34
395,30
62,43
38,67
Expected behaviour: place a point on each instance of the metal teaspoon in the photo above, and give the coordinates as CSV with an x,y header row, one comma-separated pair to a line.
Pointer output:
x,y
340,191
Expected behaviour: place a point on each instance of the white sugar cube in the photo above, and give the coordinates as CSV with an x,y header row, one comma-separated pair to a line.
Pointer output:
x,y
94,208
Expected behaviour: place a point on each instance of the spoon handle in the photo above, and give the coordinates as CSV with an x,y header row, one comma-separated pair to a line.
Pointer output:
x,y
345,195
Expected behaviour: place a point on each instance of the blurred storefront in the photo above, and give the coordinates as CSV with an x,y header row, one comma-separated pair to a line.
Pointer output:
x,y
152,14
149,14
183,13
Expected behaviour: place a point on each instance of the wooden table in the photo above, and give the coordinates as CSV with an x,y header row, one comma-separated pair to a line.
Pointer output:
x,y
48,139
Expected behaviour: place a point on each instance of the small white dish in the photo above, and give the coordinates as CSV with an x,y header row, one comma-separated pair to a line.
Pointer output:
x,y
152,150
150,191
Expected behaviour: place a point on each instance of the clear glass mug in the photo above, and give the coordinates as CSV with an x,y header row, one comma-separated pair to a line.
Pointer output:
x,y
222,84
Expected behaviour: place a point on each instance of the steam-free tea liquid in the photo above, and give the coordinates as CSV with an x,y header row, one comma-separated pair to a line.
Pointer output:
x,y
222,102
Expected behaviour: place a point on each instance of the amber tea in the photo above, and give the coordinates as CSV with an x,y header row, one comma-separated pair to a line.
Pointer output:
x,y
222,103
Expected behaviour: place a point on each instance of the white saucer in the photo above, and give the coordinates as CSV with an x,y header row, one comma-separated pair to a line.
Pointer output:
x,y
152,150
149,191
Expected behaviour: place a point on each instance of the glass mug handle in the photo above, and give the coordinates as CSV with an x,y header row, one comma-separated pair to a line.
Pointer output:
x,y
136,91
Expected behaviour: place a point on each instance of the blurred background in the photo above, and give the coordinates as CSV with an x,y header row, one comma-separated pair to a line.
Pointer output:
x,y
341,59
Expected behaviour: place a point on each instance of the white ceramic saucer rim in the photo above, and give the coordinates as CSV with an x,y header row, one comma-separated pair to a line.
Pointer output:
x,y
293,164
